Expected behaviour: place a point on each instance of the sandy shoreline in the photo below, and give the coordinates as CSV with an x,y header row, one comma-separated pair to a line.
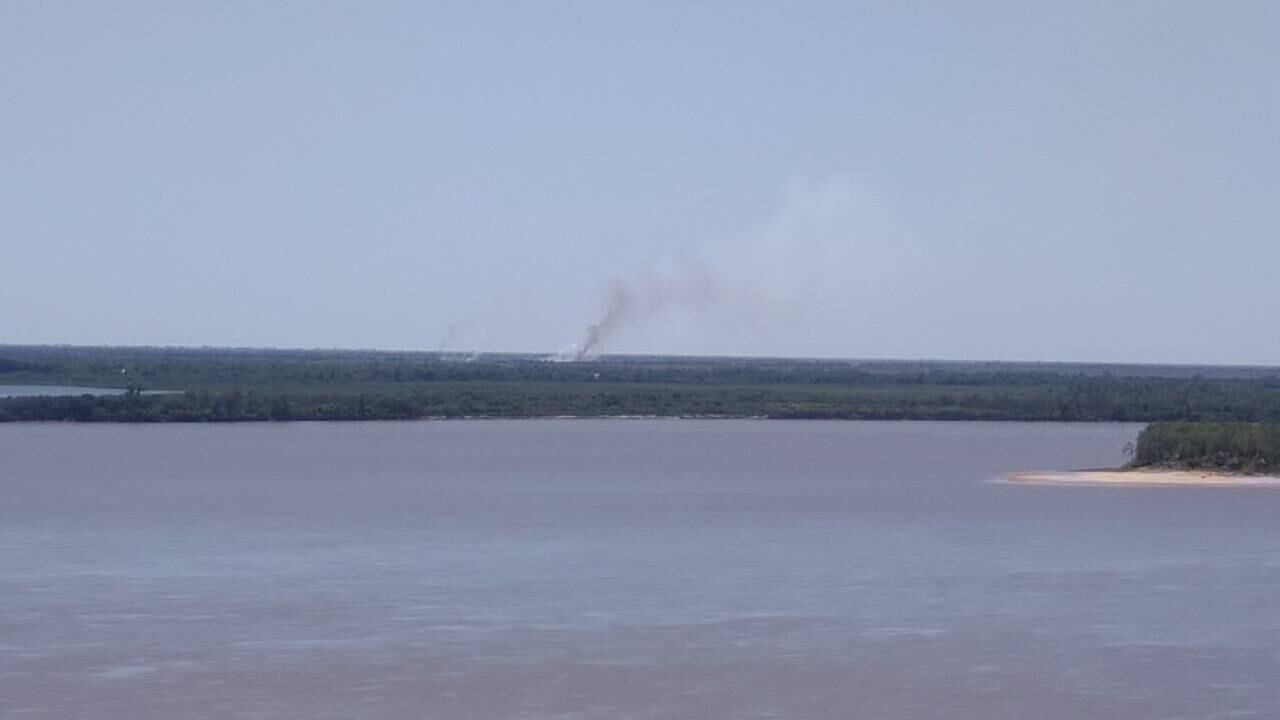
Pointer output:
x,y
1142,477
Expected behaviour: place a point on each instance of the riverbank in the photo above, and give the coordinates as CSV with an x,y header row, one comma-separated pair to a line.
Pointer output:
x,y
1143,477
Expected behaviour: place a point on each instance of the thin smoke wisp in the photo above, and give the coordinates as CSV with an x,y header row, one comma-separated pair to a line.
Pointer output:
x,y
636,300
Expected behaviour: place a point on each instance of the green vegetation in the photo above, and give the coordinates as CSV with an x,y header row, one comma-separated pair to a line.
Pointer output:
x,y
219,385
1232,446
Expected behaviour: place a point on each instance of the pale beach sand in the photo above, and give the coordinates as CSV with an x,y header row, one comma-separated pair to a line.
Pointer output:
x,y
1143,477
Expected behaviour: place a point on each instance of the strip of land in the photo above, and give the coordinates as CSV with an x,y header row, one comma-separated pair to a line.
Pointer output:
x,y
1144,477
236,385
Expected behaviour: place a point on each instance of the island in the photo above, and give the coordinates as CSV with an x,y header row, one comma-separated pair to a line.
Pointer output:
x,y
209,384
1209,454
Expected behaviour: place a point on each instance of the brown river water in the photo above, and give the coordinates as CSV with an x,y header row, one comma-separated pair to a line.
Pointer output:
x,y
622,569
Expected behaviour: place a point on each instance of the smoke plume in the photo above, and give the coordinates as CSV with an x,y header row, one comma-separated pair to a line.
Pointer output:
x,y
831,272
643,298
450,338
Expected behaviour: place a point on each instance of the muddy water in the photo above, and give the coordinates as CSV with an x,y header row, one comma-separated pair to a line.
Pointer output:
x,y
621,569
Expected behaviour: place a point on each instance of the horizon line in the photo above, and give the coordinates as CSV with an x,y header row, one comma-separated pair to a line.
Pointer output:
x,y
704,356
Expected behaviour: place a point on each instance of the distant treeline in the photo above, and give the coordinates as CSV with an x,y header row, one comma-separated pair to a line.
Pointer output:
x,y
345,370
1244,447
8,365
237,385
1092,400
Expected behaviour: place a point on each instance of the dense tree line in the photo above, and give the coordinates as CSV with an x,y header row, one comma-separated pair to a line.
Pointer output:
x,y
341,371
1097,400
232,385
8,365
1246,447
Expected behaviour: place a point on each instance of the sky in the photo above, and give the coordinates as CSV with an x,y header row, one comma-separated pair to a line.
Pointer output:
x,y
1092,181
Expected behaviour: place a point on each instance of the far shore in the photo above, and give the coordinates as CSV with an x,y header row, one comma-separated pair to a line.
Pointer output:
x,y
1143,477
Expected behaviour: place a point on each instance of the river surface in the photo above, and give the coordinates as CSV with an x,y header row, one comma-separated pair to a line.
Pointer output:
x,y
621,569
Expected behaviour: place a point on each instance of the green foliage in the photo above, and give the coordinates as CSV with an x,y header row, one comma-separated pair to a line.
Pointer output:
x,y
217,385
13,366
1247,447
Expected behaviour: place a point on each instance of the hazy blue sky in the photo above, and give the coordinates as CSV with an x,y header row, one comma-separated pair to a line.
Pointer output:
x,y
1070,180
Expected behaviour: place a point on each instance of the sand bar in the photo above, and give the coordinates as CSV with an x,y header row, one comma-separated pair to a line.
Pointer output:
x,y
1143,477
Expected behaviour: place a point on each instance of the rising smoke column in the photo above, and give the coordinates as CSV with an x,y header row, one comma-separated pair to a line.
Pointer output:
x,y
620,307
637,299
830,249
